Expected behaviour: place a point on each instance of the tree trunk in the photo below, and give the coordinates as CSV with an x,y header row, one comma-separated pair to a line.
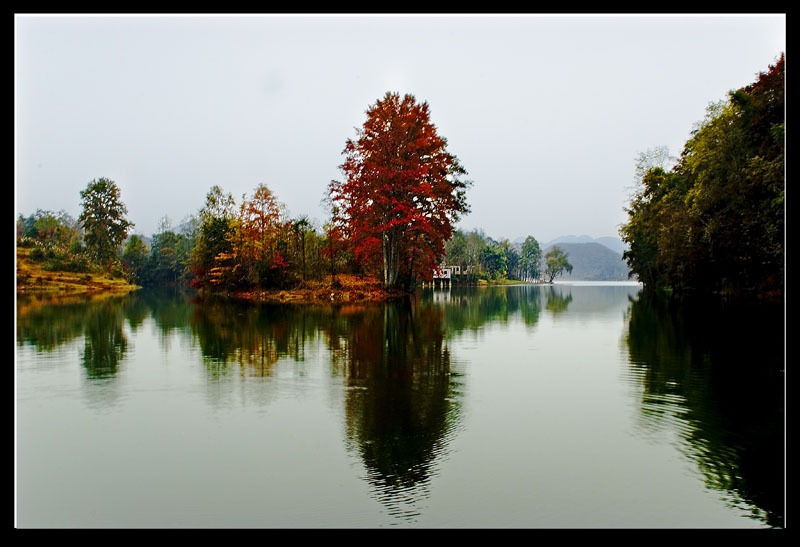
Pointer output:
x,y
389,260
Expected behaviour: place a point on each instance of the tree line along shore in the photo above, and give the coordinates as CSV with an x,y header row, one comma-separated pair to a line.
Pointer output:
x,y
710,221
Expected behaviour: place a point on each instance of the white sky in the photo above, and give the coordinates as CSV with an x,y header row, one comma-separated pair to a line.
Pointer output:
x,y
546,112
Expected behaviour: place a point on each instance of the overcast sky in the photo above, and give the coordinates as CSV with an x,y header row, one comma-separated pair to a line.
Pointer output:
x,y
547,113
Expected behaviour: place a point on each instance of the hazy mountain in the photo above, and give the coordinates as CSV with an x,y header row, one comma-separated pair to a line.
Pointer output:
x,y
613,243
592,262
569,239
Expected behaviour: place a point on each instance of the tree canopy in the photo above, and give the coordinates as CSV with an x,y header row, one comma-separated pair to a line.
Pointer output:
x,y
530,259
714,222
103,219
555,263
401,192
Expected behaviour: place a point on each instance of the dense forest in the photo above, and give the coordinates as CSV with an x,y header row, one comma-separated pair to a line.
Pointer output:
x,y
713,223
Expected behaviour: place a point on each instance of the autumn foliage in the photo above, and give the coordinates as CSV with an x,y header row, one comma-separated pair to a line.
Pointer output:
x,y
390,218
401,192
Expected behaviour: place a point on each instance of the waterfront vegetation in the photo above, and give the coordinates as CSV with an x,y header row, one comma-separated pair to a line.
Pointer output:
x,y
714,222
710,222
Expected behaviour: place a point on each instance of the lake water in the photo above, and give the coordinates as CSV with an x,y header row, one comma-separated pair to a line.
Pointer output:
x,y
577,405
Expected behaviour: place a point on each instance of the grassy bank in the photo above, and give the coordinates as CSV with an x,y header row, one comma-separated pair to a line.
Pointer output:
x,y
32,277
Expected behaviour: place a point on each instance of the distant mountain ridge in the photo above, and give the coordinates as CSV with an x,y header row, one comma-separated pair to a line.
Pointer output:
x,y
613,243
591,261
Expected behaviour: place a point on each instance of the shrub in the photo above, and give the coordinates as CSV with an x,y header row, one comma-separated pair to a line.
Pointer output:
x,y
37,254
75,264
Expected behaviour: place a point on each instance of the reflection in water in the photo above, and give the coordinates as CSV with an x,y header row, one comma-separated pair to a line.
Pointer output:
x,y
98,320
254,337
469,308
403,404
713,374
104,341
557,302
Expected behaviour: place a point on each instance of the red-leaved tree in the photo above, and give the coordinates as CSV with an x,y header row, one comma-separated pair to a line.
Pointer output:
x,y
401,194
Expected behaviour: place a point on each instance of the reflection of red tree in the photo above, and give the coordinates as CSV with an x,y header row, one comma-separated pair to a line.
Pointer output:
x,y
400,419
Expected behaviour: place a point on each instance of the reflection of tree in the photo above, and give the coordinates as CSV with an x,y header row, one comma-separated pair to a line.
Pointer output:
x,y
104,341
98,319
530,304
402,401
255,336
557,302
713,373
170,308
48,326
470,308
394,359
400,408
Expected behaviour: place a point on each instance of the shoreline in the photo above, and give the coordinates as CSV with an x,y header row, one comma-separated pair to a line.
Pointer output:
x,y
346,289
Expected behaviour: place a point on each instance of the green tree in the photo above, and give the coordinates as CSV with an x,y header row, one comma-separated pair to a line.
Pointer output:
x,y
134,258
512,258
530,259
103,220
476,241
658,232
493,259
714,223
169,259
555,264
455,250
216,228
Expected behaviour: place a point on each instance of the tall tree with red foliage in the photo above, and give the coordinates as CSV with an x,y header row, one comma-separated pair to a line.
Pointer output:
x,y
402,192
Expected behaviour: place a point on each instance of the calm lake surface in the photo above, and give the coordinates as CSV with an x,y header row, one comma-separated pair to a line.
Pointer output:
x,y
576,405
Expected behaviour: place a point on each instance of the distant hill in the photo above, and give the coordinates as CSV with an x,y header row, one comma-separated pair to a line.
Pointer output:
x,y
613,243
592,262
